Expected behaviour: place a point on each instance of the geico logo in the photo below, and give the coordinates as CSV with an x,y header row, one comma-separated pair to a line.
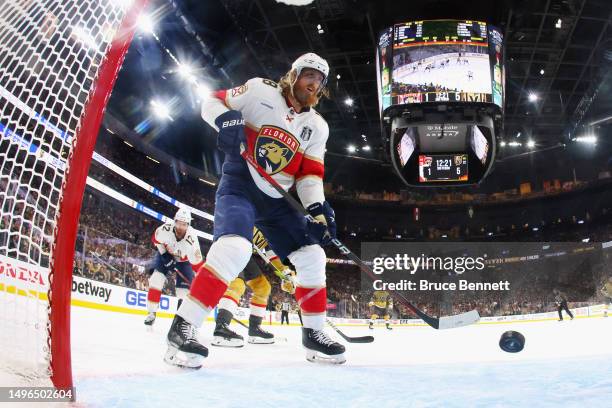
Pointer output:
x,y
140,299
233,122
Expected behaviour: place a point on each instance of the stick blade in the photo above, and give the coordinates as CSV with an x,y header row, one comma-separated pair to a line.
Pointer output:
x,y
460,320
362,339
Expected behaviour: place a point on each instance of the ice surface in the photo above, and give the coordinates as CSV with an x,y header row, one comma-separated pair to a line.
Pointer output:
x,y
118,363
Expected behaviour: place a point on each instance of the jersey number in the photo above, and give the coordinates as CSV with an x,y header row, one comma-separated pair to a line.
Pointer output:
x,y
271,83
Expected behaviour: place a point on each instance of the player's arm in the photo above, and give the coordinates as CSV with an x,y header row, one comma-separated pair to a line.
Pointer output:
x,y
309,178
220,102
195,254
160,240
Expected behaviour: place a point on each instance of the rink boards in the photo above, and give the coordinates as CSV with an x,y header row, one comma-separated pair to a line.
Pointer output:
x,y
20,278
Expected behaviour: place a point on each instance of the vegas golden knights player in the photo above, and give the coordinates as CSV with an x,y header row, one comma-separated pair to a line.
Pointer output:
x,y
381,306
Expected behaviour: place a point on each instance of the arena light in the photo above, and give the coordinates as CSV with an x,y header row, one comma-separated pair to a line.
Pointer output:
x,y
542,72
320,29
186,71
586,239
161,110
351,148
152,159
558,23
366,148
146,24
348,101
589,139
127,143
580,221
338,76
515,144
531,144
210,183
533,97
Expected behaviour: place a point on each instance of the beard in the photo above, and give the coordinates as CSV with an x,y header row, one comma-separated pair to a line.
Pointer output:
x,y
304,97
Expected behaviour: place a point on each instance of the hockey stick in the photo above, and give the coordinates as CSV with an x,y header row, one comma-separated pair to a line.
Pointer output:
x,y
350,339
445,322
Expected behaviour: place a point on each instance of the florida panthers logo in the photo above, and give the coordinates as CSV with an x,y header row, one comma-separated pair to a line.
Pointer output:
x,y
274,149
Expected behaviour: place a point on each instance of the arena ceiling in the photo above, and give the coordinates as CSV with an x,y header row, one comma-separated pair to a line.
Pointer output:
x,y
558,50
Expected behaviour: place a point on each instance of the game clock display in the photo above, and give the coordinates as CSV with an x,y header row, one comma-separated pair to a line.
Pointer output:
x,y
443,167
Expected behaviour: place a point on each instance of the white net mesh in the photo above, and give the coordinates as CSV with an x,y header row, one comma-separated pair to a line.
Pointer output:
x,y
50,56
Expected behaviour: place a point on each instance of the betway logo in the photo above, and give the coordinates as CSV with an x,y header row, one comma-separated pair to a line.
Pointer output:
x,y
91,289
22,273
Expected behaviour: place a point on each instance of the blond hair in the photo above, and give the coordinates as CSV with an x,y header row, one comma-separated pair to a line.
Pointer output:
x,y
288,80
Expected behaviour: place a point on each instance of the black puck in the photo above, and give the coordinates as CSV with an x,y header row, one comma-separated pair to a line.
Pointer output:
x,y
512,341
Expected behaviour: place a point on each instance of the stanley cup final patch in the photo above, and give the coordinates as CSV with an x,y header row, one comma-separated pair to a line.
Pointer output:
x,y
274,148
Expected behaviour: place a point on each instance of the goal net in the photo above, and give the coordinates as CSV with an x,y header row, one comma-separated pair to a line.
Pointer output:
x,y
58,63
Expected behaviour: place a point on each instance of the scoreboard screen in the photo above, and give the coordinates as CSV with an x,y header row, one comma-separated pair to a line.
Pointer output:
x,y
444,61
443,167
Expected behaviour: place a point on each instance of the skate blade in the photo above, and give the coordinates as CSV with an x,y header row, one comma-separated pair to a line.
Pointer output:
x,y
223,342
177,358
316,357
259,340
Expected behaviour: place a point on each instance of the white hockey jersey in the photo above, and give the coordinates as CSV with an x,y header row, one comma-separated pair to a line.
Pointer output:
x,y
290,146
187,249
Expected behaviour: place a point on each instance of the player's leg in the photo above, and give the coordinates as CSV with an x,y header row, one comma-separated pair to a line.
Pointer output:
x,y
157,280
387,320
259,301
559,309
373,317
228,255
286,231
184,277
223,336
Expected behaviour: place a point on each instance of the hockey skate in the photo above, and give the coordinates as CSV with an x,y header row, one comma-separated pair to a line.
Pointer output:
x,y
389,326
150,319
184,350
223,335
371,325
226,337
320,348
256,334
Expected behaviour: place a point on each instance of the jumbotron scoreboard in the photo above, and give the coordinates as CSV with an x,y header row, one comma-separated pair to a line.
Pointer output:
x,y
441,96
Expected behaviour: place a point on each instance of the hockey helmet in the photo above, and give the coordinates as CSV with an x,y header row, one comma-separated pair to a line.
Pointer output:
x,y
311,60
184,215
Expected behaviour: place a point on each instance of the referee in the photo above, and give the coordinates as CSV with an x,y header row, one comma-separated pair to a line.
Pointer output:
x,y
285,307
561,301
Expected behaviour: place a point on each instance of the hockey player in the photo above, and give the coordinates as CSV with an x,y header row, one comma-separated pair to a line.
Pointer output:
x,y
286,137
606,290
253,277
381,306
178,251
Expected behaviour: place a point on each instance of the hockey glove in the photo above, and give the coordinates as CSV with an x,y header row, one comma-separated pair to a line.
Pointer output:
x,y
288,282
168,261
324,227
231,132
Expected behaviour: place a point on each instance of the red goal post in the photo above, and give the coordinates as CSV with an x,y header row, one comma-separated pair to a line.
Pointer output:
x,y
58,63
